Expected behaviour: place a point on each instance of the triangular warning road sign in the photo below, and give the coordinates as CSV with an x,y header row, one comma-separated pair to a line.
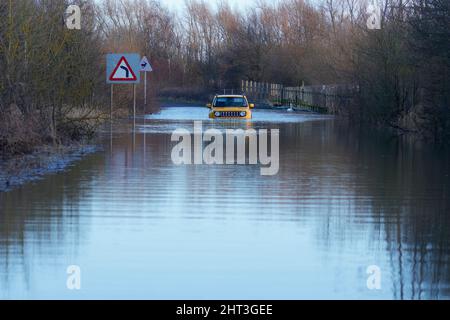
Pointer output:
x,y
145,65
123,72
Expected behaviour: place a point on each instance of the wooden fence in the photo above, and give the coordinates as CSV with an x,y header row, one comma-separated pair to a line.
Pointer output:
x,y
323,98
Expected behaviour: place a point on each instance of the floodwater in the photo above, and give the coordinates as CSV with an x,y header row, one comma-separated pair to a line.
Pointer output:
x,y
141,227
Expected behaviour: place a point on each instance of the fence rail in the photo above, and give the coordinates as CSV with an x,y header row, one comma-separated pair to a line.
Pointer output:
x,y
324,98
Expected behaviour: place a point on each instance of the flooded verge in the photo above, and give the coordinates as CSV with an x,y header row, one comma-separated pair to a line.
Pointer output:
x,y
22,169
139,226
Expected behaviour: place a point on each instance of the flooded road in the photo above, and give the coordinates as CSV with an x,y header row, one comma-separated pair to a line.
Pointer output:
x,y
138,226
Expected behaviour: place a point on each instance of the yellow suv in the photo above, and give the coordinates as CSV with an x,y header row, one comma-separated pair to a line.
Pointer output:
x,y
230,106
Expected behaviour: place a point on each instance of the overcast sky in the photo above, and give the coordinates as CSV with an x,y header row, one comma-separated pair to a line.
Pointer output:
x,y
179,4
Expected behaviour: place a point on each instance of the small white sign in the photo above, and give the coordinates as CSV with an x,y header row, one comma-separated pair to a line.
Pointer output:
x,y
145,65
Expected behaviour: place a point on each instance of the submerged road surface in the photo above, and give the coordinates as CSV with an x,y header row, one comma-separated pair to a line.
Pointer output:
x,y
138,226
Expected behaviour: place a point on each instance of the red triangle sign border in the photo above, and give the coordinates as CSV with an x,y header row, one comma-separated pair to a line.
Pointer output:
x,y
134,78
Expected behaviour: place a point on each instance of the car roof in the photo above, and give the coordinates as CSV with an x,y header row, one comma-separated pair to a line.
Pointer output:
x,y
230,96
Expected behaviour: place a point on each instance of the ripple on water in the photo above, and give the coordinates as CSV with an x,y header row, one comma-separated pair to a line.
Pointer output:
x,y
142,227
171,118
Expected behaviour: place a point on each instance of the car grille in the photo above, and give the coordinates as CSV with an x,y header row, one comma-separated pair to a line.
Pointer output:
x,y
230,114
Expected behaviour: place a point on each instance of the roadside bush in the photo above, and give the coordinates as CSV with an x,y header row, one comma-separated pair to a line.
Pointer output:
x,y
18,134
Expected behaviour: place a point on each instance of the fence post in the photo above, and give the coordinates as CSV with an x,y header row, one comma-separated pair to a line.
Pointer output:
x,y
280,90
277,92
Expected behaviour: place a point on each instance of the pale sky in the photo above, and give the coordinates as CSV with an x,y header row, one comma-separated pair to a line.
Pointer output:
x,y
179,4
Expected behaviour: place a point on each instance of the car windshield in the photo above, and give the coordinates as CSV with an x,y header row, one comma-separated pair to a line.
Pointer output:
x,y
230,102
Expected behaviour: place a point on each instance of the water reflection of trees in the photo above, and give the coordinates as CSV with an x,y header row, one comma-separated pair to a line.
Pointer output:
x,y
41,220
404,187
348,184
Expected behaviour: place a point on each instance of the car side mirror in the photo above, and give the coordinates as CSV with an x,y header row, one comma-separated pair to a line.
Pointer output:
x,y
209,105
252,105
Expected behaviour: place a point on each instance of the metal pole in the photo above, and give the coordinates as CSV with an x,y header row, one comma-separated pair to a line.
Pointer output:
x,y
134,117
111,106
145,88
134,105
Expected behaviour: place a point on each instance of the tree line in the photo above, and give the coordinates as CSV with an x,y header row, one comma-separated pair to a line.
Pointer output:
x,y
52,79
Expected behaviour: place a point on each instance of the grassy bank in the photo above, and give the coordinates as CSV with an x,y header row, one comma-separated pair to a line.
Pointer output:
x,y
22,133
29,148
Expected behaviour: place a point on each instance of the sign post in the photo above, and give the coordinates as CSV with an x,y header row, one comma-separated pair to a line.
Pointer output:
x,y
134,105
145,67
112,98
122,69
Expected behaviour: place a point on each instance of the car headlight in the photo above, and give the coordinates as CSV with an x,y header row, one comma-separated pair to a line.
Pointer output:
x,y
243,113
217,114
